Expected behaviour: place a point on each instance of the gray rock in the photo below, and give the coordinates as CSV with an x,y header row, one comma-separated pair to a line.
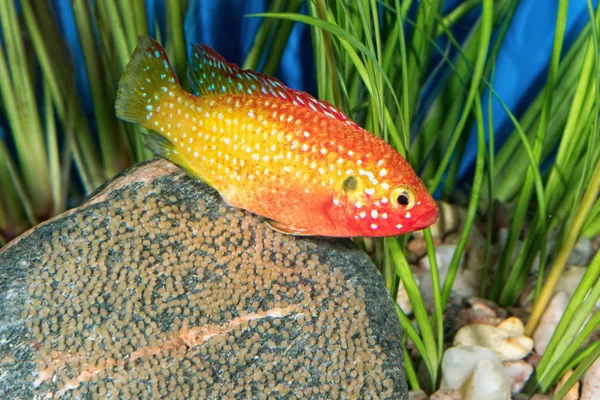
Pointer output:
x,y
154,288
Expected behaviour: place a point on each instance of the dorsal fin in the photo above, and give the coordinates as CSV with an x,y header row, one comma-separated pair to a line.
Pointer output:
x,y
209,73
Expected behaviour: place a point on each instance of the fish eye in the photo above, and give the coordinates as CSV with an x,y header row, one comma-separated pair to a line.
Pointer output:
x,y
403,197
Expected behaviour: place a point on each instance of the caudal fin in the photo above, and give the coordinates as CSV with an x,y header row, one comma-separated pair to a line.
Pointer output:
x,y
146,78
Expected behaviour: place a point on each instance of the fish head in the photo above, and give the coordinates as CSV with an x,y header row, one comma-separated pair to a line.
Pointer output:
x,y
387,199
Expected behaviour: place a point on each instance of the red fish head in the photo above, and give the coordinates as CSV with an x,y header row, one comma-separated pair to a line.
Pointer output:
x,y
387,199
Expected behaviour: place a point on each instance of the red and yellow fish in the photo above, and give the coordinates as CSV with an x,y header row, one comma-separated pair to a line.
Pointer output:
x,y
274,151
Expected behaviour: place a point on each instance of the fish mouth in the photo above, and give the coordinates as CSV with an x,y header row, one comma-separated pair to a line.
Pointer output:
x,y
427,218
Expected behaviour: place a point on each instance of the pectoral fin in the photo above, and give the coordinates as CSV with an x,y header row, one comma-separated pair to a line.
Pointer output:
x,y
288,229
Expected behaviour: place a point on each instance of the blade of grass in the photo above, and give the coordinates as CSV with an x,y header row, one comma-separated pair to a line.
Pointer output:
x,y
484,41
18,186
46,40
405,117
527,188
54,171
176,48
578,373
103,109
437,318
560,261
455,16
412,333
472,207
12,218
491,188
322,12
22,111
416,300
411,375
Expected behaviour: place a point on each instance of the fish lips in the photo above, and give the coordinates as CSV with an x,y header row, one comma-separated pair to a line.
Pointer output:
x,y
426,219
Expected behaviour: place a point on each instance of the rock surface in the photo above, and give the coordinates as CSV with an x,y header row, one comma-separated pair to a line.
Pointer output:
x,y
507,340
518,373
573,393
476,372
549,321
590,384
154,288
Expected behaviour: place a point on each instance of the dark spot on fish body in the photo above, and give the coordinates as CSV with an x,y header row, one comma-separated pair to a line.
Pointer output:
x,y
350,184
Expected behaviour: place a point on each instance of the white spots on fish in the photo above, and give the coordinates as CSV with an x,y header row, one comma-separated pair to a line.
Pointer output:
x,y
369,175
373,226
384,216
407,216
374,214
321,171
418,203
251,113
385,185
304,147
358,204
379,163
399,226
383,172
323,151
265,158
336,201
362,214
370,191
306,134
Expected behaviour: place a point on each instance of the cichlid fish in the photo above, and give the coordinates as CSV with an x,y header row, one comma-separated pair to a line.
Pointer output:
x,y
274,151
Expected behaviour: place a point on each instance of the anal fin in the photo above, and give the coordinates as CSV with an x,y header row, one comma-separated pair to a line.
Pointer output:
x,y
288,229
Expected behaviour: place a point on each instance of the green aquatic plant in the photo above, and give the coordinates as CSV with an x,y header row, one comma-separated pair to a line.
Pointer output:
x,y
373,59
